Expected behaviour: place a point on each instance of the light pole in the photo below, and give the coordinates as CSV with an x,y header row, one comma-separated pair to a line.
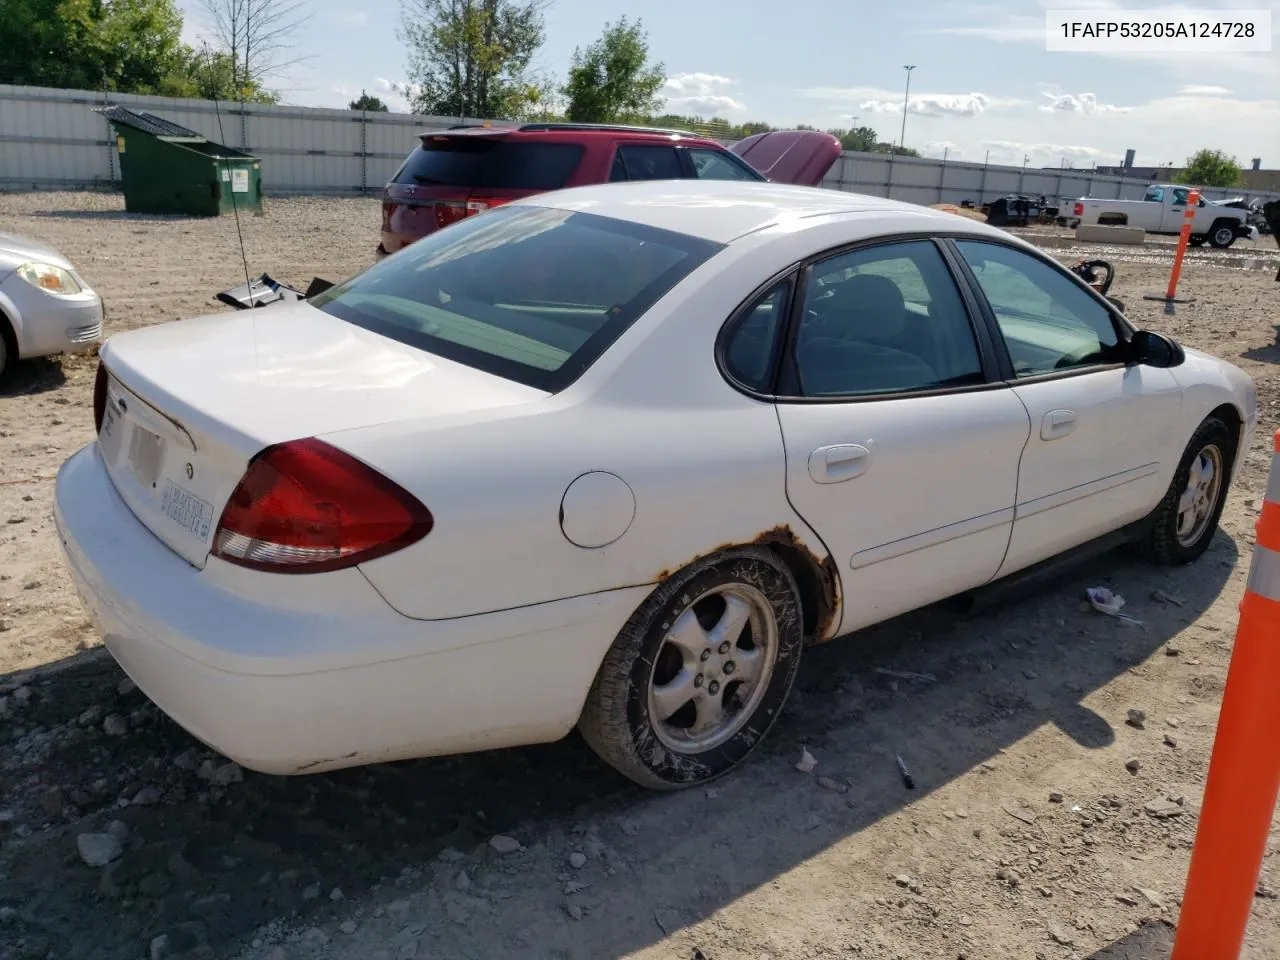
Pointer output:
x,y
906,99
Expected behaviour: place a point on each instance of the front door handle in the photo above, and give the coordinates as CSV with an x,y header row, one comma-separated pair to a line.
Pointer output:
x,y
1057,424
839,462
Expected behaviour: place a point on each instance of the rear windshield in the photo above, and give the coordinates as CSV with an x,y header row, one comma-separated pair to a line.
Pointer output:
x,y
484,161
533,294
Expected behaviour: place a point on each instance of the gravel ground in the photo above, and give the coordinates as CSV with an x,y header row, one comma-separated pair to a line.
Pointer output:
x,y
1027,835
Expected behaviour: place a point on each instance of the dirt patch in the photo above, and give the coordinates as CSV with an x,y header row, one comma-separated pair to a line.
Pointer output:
x,y
1025,837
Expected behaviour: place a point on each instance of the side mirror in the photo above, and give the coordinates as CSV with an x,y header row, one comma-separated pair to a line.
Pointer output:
x,y
1155,349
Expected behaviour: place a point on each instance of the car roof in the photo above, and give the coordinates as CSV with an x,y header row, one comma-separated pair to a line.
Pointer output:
x,y
569,133
725,210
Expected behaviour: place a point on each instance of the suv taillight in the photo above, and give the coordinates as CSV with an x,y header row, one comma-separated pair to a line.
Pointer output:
x,y
99,397
307,507
1079,210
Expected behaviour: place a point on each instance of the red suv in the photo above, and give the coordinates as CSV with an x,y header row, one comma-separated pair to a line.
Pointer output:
x,y
462,171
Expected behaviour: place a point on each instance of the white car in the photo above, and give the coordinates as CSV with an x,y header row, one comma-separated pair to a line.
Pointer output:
x,y
46,307
610,458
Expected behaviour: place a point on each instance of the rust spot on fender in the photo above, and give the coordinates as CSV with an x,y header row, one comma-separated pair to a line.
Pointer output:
x,y
820,592
828,585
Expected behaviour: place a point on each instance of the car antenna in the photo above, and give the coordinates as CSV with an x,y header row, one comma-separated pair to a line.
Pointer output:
x,y
222,139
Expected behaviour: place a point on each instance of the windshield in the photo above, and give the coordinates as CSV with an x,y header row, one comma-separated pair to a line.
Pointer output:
x,y
530,293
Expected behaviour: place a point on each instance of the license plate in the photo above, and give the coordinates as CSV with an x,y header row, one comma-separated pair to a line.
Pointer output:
x,y
186,510
145,450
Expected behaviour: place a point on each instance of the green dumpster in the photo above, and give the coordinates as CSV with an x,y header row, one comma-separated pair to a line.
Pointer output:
x,y
165,168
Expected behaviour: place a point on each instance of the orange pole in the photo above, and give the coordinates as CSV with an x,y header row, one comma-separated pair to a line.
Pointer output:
x,y
1244,770
1188,216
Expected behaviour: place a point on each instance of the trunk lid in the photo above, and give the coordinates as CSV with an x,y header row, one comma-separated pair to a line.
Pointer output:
x,y
190,403
801,157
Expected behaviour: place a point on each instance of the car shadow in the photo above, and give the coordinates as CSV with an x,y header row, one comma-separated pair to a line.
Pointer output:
x,y
226,859
1151,941
38,375
1267,354
121,215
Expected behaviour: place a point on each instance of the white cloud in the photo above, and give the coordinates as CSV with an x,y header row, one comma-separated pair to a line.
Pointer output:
x,y
1038,154
354,18
875,100
942,148
1083,103
1203,90
342,92
396,94
700,94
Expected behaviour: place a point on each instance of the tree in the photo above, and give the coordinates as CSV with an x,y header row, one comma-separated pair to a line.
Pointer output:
x,y
858,139
255,35
366,102
612,80
207,75
470,58
125,45
1212,168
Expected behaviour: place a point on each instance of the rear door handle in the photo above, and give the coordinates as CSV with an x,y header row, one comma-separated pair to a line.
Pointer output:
x,y
839,462
1057,424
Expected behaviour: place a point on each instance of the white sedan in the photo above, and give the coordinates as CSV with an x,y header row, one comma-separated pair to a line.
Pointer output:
x,y
611,457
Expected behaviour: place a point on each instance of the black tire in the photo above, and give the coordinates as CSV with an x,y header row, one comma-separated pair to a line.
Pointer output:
x,y
1222,234
1162,544
617,720
4,351
1197,239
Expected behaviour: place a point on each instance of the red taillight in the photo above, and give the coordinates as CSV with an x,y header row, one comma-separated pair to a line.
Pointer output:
x,y
1079,209
99,397
307,507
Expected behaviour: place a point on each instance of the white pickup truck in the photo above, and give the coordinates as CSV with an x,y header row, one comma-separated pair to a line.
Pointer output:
x,y
1161,210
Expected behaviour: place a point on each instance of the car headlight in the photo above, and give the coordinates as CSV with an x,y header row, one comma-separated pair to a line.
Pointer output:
x,y
49,278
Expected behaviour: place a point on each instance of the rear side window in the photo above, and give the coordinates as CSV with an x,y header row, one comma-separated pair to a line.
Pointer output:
x,y
533,294
477,162
650,163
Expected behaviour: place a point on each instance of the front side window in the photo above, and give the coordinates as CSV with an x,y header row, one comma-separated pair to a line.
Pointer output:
x,y
1048,323
533,294
1180,196
884,319
719,165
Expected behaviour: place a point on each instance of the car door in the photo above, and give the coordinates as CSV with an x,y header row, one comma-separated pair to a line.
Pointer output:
x,y
900,452
1101,428
1176,210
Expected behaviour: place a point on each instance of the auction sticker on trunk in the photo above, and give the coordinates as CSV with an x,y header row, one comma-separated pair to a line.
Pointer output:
x,y
186,510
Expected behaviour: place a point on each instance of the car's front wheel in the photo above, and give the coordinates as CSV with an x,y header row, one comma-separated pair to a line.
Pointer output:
x,y
1187,518
700,672
1222,235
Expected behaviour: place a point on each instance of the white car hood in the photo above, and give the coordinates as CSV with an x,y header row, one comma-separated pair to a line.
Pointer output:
x,y
263,376
16,249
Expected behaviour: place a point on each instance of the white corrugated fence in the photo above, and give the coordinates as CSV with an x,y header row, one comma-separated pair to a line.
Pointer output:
x,y
51,139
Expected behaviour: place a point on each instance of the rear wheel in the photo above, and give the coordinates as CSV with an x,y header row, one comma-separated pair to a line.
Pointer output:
x,y
699,673
1187,517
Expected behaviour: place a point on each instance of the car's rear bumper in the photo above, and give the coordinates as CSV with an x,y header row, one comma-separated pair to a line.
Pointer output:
x,y
294,674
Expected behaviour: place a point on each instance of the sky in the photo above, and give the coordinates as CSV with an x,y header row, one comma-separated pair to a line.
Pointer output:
x,y
983,85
